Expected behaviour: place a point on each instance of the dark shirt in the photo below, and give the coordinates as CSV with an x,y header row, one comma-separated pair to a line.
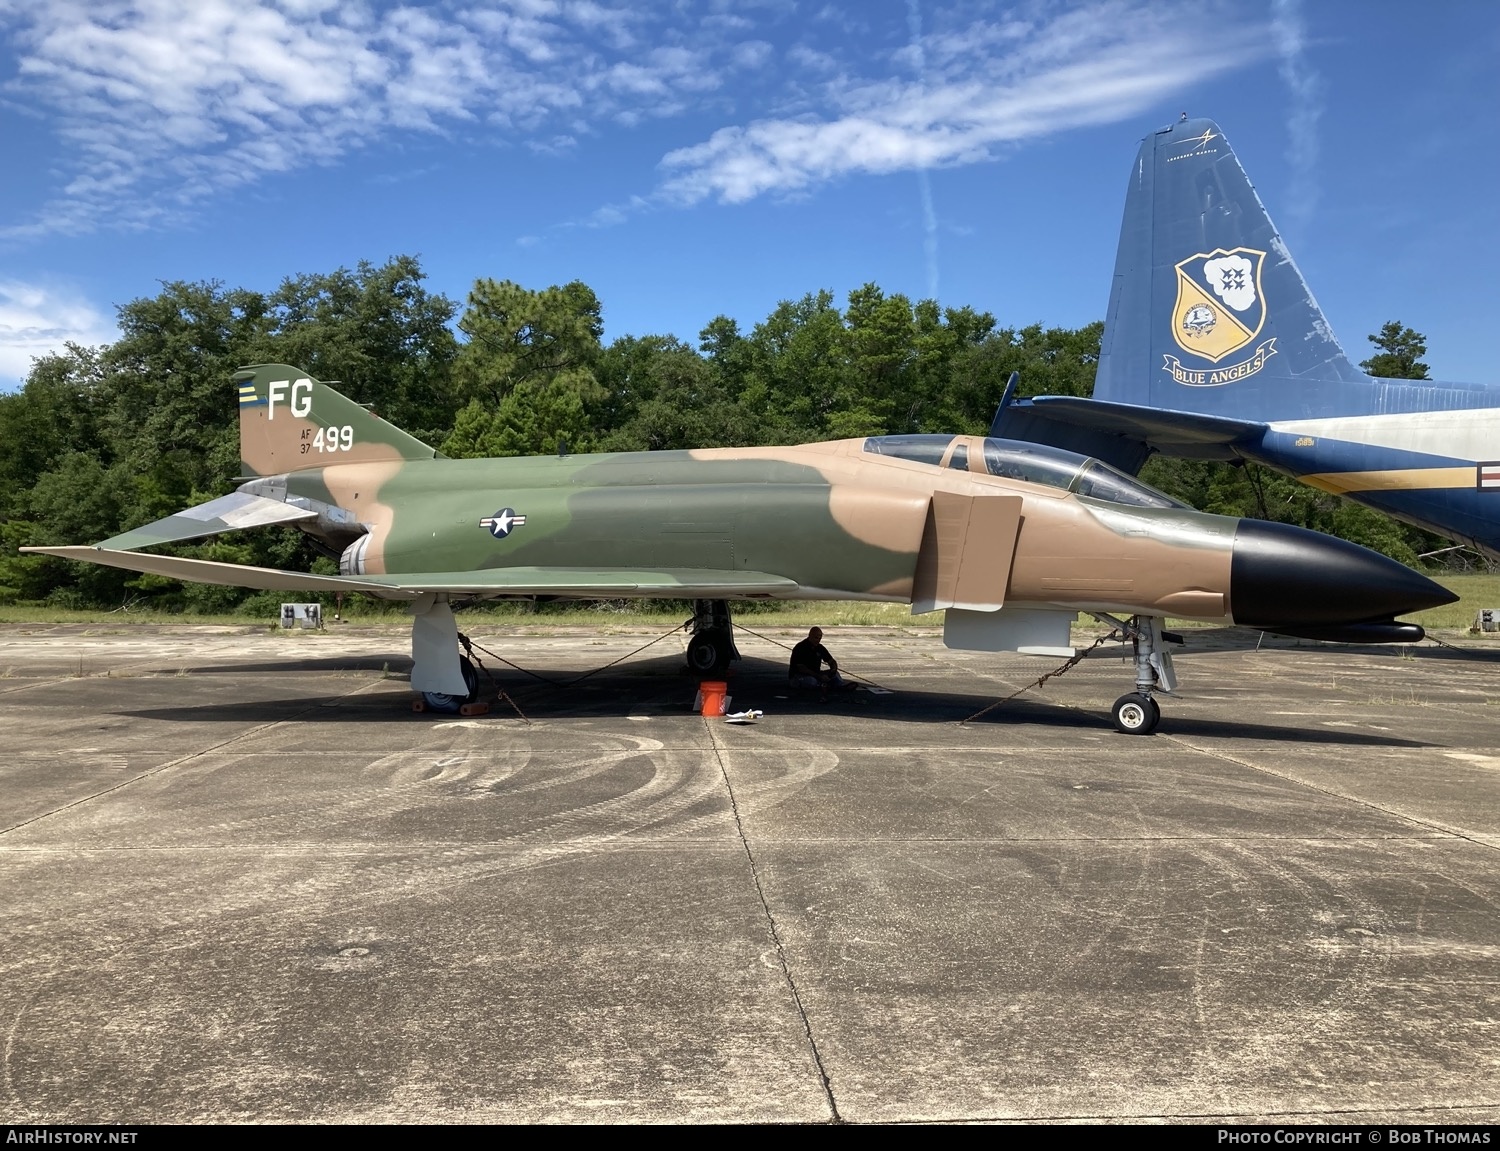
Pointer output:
x,y
808,658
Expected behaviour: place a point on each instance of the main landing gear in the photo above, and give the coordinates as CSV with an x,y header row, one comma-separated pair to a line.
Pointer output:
x,y
444,679
444,702
1138,713
712,645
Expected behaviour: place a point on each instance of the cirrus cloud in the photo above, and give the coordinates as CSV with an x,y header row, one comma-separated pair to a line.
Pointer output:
x,y
162,103
977,89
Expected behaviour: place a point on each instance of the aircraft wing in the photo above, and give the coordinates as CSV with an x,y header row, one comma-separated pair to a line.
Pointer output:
x,y
1123,435
227,513
582,583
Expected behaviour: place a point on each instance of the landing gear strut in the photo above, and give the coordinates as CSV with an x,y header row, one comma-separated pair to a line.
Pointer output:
x,y
1138,713
712,645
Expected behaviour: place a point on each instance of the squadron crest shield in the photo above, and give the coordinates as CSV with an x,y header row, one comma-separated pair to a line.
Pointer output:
x,y
1220,307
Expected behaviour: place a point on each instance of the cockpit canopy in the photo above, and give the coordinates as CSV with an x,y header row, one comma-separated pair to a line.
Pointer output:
x,y
1032,463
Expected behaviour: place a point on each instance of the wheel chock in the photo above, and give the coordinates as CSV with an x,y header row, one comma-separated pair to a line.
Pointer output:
x,y
419,705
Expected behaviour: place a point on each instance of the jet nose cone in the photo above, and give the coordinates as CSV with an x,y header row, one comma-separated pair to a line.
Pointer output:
x,y
1284,577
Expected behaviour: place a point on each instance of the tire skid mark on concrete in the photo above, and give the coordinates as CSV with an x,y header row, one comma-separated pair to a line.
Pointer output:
x,y
678,782
179,761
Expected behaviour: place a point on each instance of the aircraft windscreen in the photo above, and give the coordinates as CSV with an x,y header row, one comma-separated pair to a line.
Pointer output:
x,y
920,449
1039,464
1033,463
1103,482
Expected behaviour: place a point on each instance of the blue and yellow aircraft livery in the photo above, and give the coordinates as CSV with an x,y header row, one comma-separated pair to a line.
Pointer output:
x,y
1214,348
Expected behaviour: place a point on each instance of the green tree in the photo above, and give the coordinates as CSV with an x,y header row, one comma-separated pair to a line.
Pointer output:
x,y
379,334
56,411
1051,361
883,365
659,394
526,372
102,440
1400,353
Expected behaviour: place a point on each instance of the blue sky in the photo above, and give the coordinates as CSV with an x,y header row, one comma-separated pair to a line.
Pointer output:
x,y
691,159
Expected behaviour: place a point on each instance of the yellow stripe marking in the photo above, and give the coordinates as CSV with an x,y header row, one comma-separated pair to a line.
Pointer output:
x,y
1399,479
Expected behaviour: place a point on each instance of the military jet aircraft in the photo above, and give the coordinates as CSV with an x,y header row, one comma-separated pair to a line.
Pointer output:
x,y
1014,540
1214,348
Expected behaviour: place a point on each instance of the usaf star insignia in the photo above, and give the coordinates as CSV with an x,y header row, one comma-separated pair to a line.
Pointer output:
x,y
501,523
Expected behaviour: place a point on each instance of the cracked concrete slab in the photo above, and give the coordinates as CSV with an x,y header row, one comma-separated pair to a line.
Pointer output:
x,y
245,882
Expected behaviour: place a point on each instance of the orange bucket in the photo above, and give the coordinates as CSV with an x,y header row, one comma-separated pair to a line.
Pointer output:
x,y
713,697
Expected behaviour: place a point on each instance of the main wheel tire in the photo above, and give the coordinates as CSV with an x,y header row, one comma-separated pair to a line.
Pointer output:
x,y
442,701
708,652
1136,714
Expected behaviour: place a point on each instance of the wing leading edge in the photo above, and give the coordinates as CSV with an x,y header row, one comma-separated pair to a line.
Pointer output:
x,y
685,583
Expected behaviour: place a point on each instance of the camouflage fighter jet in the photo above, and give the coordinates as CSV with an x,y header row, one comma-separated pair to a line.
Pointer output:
x,y
1013,539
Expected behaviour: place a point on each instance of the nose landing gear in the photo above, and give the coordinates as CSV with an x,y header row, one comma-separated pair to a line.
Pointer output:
x,y
712,645
1138,713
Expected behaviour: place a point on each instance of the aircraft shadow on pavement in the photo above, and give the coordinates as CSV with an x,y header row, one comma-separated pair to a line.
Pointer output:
x,y
396,661
662,686
1202,640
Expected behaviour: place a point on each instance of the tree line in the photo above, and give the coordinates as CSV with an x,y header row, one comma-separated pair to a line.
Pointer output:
x,y
99,440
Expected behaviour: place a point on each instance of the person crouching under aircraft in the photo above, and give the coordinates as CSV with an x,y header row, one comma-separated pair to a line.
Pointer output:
x,y
806,669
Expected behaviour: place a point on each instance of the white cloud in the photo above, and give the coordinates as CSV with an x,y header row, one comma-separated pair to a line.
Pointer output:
x,y
986,86
810,59
161,103
37,320
751,54
1305,87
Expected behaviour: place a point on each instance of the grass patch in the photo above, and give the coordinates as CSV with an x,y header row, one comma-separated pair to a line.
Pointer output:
x,y
1475,590
46,614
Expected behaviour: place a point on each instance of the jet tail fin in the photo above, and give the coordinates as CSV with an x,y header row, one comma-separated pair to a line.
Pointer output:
x,y
1208,312
290,422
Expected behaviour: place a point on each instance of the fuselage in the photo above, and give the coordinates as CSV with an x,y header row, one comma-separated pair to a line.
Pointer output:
x,y
845,519
1426,453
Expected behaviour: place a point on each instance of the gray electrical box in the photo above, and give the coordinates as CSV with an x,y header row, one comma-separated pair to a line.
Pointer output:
x,y
302,615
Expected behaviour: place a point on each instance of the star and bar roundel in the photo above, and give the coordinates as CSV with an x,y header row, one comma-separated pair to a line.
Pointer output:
x,y
502,523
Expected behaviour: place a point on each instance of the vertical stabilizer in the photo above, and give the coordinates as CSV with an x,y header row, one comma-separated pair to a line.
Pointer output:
x,y
1208,312
290,422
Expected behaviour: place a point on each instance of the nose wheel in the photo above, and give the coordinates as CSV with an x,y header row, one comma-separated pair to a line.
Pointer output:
x,y
708,652
1136,714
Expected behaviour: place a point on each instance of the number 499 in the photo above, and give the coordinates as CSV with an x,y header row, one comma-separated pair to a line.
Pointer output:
x,y
337,439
